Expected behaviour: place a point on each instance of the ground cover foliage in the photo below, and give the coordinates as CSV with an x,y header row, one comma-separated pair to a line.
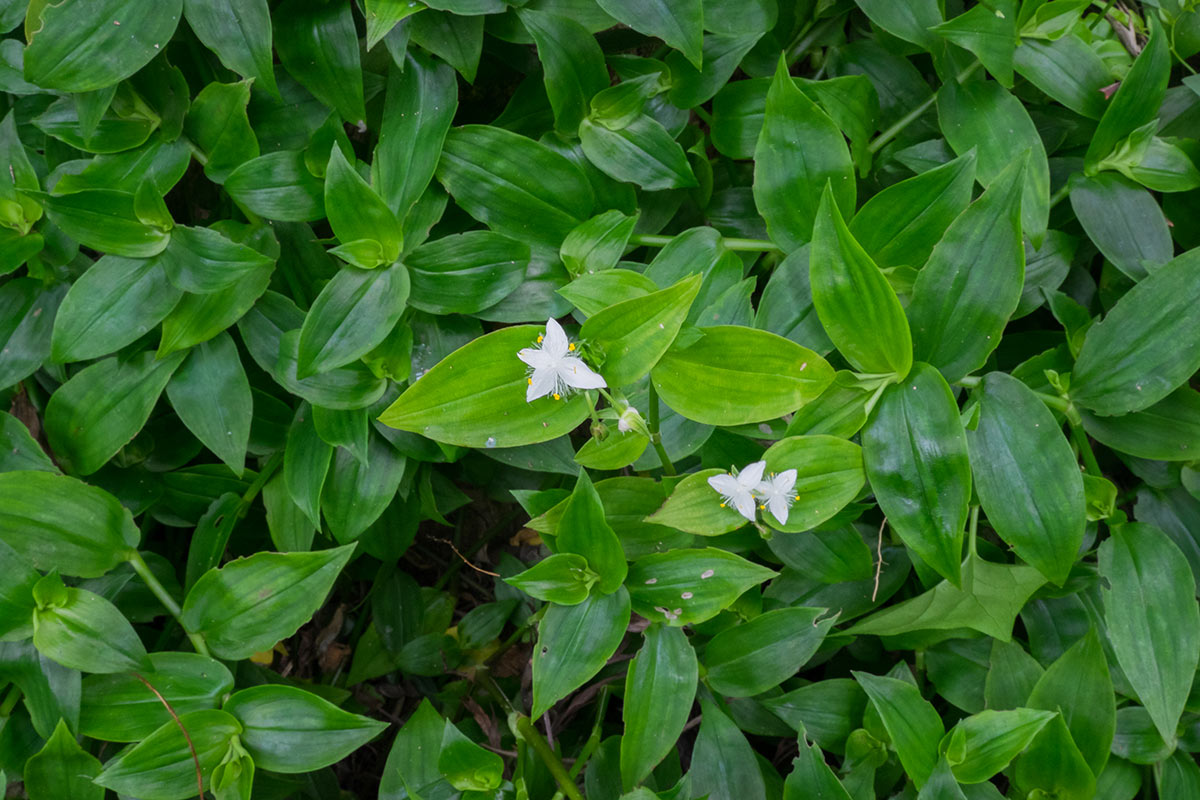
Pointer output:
x,y
599,398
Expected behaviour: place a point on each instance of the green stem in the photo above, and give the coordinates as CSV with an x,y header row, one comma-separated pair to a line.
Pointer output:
x,y
655,436
1060,195
139,566
593,741
808,35
264,475
704,116
875,398
553,763
745,245
1104,13
1079,435
899,125
972,530
969,381
1054,401
10,702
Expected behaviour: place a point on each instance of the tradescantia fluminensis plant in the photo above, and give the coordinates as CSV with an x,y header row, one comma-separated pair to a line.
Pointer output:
x,y
637,399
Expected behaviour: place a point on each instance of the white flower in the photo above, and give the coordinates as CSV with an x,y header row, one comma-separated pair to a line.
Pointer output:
x,y
739,489
553,371
776,494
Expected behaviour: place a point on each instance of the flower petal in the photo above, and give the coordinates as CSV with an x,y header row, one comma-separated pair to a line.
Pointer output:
x,y
575,373
743,501
785,481
540,384
778,506
751,474
726,485
538,359
555,342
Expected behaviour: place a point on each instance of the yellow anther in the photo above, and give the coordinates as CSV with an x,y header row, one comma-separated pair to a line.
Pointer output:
x,y
539,338
797,497
571,346
530,381
557,396
722,505
762,508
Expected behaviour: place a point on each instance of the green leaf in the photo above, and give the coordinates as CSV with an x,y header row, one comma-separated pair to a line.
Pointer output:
x,y
120,708
344,428
211,395
457,40
81,46
465,273
574,642
811,776
1169,430
583,530
356,494
572,63
290,730
203,260
1068,70
915,453
318,45
679,23
531,193
787,180
857,306
760,654
62,769
714,579
597,244
561,578
660,686
114,303
983,744
305,464
162,767
278,186
239,33
723,763
988,33
735,375
466,765
1136,100
593,293
827,710
989,600
217,121
420,104
1027,477
1124,221
109,134
1078,686
475,397
1054,765
721,56
1153,621
356,211
900,225
965,295
104,220
984,116
199,317
408,762
60,523
383,15
911,722
86,632
642,152
352,314
1146,346
909,21
635,333
249,604
102,407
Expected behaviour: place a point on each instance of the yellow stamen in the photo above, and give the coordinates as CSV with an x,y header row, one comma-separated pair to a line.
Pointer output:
x,y
539,338
762,508
557,396
797,497
530,381
571,346
722,505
